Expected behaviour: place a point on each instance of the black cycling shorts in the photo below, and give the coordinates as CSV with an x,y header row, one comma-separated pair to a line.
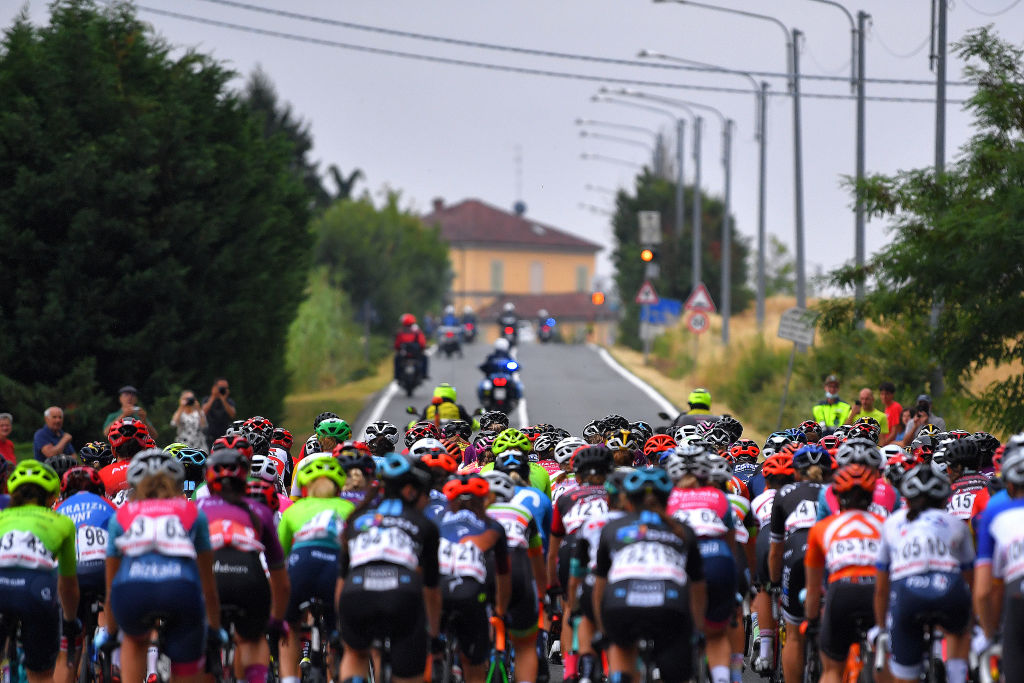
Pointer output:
x,y
31,597
937,596
464,615
524,607
793,581
1013,632
137,606
312,573
565,553
848,608
720,578
385,601
586,601
658,610
244,592
761,548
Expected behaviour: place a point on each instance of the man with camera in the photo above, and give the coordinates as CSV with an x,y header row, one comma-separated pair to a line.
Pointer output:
x,y
865,407
128,397
922,415
220,410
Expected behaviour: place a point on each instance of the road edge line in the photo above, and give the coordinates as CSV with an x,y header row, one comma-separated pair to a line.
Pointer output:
x,y
643,386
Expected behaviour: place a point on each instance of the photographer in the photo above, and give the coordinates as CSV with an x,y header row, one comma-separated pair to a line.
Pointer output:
x,y
128,398
190,421
219,410
922,415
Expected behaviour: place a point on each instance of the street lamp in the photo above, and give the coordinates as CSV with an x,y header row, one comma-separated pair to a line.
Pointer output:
x,y
611,160
598,188
620,126
617,138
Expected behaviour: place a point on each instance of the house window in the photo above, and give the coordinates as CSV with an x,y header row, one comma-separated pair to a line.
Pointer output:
x,y
497,276
581,279
536,277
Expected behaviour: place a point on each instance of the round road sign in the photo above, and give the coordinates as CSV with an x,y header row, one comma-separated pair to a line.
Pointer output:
x,y
697,322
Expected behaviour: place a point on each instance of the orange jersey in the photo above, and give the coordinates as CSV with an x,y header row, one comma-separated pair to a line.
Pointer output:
x,y
845,545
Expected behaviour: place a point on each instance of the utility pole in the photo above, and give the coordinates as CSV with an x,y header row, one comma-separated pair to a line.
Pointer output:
x,y
696,264
862,21
938,383
727,232
761,199
798,173
680,158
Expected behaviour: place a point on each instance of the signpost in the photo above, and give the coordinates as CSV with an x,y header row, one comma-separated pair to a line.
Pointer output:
x,y
646,297
699,304
796,325
650,227
697,322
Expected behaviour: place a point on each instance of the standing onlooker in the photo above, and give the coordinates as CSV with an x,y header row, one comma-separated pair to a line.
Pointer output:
x,y
6,445
190,421
51,439
128,397
922,416
893,412
219,410
832,411
865,407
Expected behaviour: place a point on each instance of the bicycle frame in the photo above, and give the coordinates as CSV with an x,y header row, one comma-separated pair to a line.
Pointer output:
x,y
498,670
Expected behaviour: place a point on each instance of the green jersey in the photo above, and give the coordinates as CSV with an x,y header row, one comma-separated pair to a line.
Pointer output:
x,y
35,537
539,477
314,522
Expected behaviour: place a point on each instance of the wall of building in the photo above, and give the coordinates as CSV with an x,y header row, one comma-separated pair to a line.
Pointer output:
x,y
481,274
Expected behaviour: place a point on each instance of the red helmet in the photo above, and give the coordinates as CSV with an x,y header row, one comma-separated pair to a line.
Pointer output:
x,y
745,448
235,441
422,430
263,492
407,320
82,479
125,430
659,443
855,476
830,443
466,485
282,438
778,465
224,464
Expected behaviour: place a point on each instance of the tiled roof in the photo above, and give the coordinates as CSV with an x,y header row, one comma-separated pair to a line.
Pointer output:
x,y
472,222
567,307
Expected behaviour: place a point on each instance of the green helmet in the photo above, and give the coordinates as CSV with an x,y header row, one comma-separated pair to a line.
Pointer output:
x,y
334,427
445,391
317,466
511,438
700,396
34,472
173,448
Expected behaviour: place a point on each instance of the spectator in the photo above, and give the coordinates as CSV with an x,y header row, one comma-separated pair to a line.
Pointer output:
x,y
865,407
190,421
128,396
51,439
833,411
922,416
6,445
219,410
893,412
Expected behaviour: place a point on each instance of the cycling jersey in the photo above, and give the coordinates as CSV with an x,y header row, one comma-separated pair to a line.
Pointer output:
x,y
540,509
964,490
521,530
436,506
794,512
761,507
314,523
565,481
114,477
90,514
884,501
708,513
524,542
576,506
584,558
550,466
539,477
933,542
741,516
744,471
706,510
247,527
846,546
1001,540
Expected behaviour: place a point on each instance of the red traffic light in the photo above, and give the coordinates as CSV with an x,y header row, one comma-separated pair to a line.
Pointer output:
x,y
597,298
647,255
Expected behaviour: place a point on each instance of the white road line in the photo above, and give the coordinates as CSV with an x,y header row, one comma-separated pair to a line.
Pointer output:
x,y
385,398
643,386
521,413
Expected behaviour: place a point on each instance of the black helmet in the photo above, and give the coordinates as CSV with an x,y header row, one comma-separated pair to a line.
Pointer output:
x,y
962,453
513,460
614,422
61,463
642,431
596,459
492,416
731,425
326,415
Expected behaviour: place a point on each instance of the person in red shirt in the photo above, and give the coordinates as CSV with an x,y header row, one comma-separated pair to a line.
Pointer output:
x,y
412,335
6,445
893,411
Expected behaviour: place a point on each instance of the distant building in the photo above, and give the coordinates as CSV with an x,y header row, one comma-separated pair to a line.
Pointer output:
x,y
499,256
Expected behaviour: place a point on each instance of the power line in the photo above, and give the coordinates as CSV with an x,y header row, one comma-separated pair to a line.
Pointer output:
x,y
506,67
992,14
547,53
902,55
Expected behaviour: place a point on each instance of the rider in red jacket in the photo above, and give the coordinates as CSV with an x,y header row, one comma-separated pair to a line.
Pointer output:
x,y
413,335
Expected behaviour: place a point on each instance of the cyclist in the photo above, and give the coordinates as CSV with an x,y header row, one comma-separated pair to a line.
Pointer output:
x,y
592,432
127,436
998,572
240,532
794,512
494,420
360,472
433,454
649,582
331,432
310,535
624,448
845,548
37,566
514,439
283,439
962,464
544,452
658,446
194,462
381,437
160,566
444,406
924,567
232,441
96,454
861,451
471,541
744,454
389,575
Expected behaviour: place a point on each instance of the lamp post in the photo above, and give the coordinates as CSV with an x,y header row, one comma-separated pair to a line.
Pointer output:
x,y
611,160
617,138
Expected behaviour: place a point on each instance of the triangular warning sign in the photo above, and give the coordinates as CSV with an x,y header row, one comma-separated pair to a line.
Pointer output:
x,y
647,295
700,300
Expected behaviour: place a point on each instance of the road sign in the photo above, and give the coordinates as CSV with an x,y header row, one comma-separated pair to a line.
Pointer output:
x,y
662,313
700,300
697,322
797,324
646,295
650,227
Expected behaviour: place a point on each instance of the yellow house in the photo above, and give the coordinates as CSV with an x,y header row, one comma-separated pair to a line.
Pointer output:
x,y
499,256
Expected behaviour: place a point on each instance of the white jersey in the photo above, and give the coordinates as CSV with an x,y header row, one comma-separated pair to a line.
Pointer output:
x,y
591,533
934,542
761,507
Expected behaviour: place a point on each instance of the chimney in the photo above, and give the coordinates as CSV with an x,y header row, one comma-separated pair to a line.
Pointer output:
x,y
438,204
519,208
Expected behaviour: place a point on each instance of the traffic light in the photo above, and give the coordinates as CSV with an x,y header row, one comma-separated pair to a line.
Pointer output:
x,y
647,255
597,298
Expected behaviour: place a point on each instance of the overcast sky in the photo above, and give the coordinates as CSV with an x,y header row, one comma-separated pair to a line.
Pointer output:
x,y
440,130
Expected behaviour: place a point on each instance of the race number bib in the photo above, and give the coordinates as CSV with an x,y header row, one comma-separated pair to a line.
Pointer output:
x,y
918,553
803,516
323,525
91,544
647,560
165,535
582,511
24,550
461,559
851,552
379,544
227,533
704,522
959,504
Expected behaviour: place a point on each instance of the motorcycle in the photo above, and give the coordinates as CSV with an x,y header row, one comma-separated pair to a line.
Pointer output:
x,y
410,366
500,390
469,331
546,330
449,340
508,327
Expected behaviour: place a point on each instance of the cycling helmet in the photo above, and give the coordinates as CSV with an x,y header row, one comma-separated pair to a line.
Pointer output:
x,y
861,451
225,464
731,426
126,430
433,454
324,465
459,428
614,422
97,454
929,430
830,443
893,450
173,448
867,419
855,476
350,448
263,468
1012,461
423,429
778,465
621,440
811,429
500,484
484,440
641,430
699,397
864,430
898,465
957,434
776,440
61,463
494,417
566,447
716,469
657,444
513,460
532,432
398,470
258,423
34,472
454,448
718,438
545,443
642,481
796,435
511,438
311,446
235,443
263,492
840,431
613,482
592,429
326,415
676,465
259,443
282,438
335,428
923,447
963,454
595,459
381,429
808,456
235,429
363,463
153,461
684,431
82,479
466,486
924,480
407,320
745,450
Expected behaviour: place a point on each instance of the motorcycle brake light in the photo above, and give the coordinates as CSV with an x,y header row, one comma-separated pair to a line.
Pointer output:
x,y
508,330
500,381
469,326
449,334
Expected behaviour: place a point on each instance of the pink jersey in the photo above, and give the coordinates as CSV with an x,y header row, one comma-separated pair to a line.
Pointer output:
x,y
885,502
707,510
550,466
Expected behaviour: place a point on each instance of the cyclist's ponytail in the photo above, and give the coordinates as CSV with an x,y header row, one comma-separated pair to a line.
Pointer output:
x,y
29,494
322,487
157,486
918,504
813,473
689,481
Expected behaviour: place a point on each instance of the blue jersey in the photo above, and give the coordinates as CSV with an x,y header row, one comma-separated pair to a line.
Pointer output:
x,y
91,514
539,506
1000,539
436,507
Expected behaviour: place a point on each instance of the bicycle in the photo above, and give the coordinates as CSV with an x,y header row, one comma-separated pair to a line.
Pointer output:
x,y
314,651
861,658
446,668
10,637
87,672
812,657
499,669
934,670
383,646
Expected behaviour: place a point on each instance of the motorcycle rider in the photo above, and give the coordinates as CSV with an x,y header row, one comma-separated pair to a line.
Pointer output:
x,y
413,336
699,401
449,319
468,323
497,361
444,405
508,318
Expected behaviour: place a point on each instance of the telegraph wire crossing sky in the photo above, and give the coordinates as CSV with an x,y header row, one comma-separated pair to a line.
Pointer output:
x,y
433,99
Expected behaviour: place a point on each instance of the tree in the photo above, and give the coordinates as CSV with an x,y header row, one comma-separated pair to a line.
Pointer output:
x,y
384,256
957,240
674,255
780,269
152,233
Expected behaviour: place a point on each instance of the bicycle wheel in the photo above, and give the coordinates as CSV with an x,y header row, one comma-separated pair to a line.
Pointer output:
x,y
812,662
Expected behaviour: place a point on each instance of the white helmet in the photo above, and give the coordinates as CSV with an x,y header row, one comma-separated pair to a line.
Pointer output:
x,y
542,313
566,447
467,310
501,485
684,431
449,310
262,467
508,307
501,345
